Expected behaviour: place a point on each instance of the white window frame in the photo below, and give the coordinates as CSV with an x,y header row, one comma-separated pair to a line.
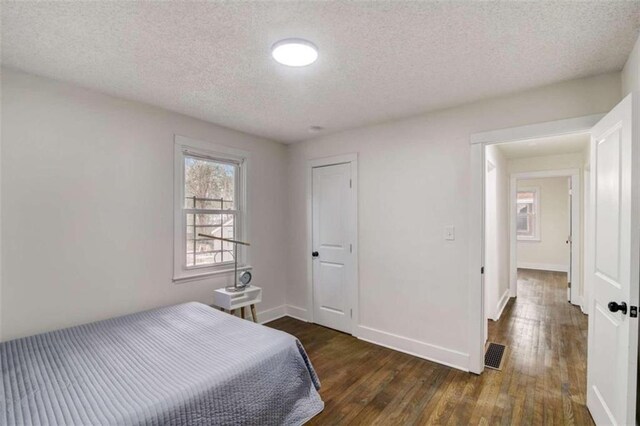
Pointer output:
x,y
536,214
187,146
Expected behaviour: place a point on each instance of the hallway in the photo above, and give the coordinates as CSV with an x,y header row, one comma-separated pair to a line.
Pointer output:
x,y
547,351
543,380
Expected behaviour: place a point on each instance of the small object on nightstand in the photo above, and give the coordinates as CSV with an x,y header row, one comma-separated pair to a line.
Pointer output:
x,y
245,278
232,300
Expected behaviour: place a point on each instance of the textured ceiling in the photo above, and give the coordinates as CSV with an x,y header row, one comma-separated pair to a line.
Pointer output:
x,y
555,145
378,60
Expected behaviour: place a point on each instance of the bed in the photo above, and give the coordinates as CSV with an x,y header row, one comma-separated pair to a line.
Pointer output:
x,y
187,364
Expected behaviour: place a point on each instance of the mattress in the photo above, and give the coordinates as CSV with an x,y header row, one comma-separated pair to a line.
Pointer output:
x,y
187,364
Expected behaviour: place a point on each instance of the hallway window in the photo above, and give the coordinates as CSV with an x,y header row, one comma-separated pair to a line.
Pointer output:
x,y
528,209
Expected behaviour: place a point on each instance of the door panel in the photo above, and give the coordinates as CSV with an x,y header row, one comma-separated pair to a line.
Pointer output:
x,y
608,205
331,221
330,196
571,286
614,234
332,297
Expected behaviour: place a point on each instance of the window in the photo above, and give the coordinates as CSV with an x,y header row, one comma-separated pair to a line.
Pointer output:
x,y
209,209
527,218
209,201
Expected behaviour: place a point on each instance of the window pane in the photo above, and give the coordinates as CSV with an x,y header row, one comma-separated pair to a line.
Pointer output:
x,y
523,224
206,251
209,184
526,213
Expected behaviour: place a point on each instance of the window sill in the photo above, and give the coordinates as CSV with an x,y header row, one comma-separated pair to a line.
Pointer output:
x,y
205,275
533,240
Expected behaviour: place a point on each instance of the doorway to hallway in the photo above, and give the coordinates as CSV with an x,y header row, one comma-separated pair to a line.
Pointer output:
x,y
535,196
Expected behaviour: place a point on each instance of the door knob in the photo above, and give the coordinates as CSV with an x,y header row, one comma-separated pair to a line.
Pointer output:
x,y
315,254
615,307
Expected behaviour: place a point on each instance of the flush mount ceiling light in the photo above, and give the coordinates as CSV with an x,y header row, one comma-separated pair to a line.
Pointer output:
x,y
294,52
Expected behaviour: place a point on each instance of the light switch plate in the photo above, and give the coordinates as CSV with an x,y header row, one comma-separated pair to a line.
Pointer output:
x,y
450,233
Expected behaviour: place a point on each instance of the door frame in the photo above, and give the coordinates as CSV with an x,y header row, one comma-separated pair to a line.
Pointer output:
x,y
478,142
576,227
353,282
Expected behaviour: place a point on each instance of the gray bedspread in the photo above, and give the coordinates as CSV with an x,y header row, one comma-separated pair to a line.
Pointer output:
x,y
187,364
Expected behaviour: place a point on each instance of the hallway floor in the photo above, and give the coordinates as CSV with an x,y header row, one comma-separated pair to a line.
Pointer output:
x,y
543,380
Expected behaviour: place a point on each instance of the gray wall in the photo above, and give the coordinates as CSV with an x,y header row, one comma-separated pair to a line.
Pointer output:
x,y
87,207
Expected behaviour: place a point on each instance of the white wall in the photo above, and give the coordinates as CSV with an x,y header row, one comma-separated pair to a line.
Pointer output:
x,y
87,207
547,162
413,284
551,252
631,71
496,276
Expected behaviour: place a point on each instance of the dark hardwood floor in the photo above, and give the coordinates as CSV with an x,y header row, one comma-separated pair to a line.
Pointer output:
x,y
543,380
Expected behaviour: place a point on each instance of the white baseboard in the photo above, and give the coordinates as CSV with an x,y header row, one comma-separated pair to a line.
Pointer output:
x,y
407,345
502,303
282,311
272,314
297,313
544,266
414,347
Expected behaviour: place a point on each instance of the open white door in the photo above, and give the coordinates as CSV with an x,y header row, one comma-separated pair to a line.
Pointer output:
x,y
570,242
333,222
615,237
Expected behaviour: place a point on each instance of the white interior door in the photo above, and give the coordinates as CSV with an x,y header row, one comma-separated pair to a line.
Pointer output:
x,y
614,232
333,206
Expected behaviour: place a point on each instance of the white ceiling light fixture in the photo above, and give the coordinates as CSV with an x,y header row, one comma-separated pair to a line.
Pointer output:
x,y
294,52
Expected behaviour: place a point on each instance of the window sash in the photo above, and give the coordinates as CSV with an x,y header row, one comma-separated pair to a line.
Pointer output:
x,y
190,244
237,166
186,211
527,209
529,221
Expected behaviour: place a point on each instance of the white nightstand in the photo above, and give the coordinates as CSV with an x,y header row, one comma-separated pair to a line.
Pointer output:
x,y
232,300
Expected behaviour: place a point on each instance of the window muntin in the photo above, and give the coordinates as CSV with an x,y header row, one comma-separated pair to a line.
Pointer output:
x,y
527,211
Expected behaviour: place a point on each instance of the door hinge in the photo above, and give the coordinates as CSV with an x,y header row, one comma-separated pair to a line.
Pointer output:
x,y
482,270
351,312
633,312
569,284
350,183
350,248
